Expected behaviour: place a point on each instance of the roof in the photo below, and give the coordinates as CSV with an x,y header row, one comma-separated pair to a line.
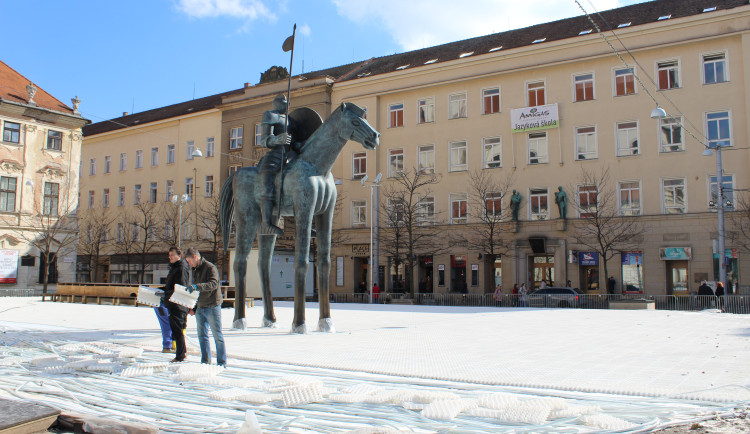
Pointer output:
x,y
637,14
13,88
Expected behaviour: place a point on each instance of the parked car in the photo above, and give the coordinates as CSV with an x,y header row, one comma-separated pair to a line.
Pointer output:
x,y
556,296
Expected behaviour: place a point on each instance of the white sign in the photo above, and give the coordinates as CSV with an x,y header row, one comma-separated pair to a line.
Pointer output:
x,y
541,117
339,271
8,266
475,266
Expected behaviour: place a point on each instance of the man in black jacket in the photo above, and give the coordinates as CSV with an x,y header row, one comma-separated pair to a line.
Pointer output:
x,y
208,307
178,274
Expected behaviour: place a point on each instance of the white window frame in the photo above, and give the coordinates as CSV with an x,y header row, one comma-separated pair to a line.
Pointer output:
x,y
586,143
210,147
105,198
492,147
535,195
170,189
630,210
713,142
426,210
455,200
171,151
396,212
623,151
123,161
458,150
153,192
396,115
704,63
92,198
624,74
359,213
395,158
583,79
673,208
713,194
107,164
154,156
209,186
543,87
358,158
587,191
674,127
190,187
425,110
493,205
235,138
139,159
258,134
137,194
488,94
458,105
92,167
535,144
666,65
189,148
426,159
121,196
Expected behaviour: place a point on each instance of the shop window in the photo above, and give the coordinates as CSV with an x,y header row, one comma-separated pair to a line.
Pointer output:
x,y
632,271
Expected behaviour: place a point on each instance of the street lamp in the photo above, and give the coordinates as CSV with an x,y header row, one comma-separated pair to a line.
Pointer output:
x,y
373,223
195,154
179,201
658,113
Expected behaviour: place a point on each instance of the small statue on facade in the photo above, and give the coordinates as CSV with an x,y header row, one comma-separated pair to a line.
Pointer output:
x,y
515,205
561,199
31,91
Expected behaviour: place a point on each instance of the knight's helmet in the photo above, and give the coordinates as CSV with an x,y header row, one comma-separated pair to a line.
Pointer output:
x,y
280,103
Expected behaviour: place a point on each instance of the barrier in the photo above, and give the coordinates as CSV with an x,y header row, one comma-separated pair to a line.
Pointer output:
x,y
116,293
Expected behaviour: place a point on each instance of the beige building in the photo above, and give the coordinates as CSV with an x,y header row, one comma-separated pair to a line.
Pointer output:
x,y
536,108
39,160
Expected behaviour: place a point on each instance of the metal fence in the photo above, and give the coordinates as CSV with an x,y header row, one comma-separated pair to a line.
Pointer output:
x,y
739,304
15,292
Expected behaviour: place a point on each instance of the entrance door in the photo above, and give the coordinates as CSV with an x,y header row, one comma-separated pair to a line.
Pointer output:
x,y
677,277
542,268
590,279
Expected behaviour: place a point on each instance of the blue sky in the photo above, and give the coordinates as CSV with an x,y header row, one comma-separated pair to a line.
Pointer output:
x,y
141,54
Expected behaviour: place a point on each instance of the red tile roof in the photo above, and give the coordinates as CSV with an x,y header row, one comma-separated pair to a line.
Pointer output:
x,y
13,88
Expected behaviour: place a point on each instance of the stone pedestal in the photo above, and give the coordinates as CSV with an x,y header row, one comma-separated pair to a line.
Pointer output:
x,y
561,224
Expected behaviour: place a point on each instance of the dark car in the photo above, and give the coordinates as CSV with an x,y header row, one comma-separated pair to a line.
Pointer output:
x,y
556,296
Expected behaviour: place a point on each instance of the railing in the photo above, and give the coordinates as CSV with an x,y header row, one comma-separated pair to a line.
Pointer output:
x,y
20,292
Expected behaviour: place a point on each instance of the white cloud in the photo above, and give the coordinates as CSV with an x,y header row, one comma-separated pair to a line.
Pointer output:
x,y
246,9
417,24
304,30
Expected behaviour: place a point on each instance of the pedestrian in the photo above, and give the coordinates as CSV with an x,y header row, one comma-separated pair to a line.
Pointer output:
x,y
522,291
375,292
162,314
178,275
207,309
543,284
514,293
704,295
498,295
611,285
720,294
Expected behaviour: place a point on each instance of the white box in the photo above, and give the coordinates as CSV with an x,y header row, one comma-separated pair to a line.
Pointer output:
x,y
184,298
148,295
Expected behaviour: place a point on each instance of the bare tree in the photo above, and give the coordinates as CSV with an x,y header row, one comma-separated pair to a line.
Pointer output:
x,y
144,232
410,218
740,221
601,227
95,225
126,240
170,215
487,193
209,217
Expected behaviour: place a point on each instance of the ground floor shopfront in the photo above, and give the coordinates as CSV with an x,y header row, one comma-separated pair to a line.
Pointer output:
x,y
671,258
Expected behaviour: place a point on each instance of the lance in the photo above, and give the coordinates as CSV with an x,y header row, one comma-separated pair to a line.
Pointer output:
x,y
287,46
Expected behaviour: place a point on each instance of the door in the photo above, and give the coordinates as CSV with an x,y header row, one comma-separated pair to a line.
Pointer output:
x,y
542,268
677,277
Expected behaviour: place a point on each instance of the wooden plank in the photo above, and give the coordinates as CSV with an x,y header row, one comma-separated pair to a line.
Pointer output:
x,y
20,417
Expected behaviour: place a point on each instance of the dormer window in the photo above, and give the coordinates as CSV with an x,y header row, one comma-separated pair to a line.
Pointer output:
x,y
711,9
466,54
539,40
430,61
664,17
585,32
402,67
496,49
624,25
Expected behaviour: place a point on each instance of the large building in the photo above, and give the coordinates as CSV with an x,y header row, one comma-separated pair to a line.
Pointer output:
x,y
39,162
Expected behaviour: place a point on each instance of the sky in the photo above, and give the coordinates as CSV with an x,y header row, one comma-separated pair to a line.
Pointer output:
x,y
143,54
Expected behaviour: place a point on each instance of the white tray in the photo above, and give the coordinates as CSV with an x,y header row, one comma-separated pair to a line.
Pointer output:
x,y
184,298
150,296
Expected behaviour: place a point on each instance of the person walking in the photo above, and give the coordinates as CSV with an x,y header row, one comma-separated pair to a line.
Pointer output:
x,y
522,291
720,295
498,294
178,275
375,292
207,309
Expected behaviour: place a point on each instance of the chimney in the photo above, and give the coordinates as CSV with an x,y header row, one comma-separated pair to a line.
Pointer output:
x,y
125,113
247,85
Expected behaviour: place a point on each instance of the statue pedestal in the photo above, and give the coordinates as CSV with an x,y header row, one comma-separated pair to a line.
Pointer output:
x,y
561,224
511,226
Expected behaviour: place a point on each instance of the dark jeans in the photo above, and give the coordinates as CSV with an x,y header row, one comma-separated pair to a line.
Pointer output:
x,y
178,322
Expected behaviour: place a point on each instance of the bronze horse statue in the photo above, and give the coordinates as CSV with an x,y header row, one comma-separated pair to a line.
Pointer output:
x,y
309,192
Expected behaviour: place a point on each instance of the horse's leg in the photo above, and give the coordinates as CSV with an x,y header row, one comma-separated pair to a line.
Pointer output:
x,y
323,224
246,220
303,223
265,252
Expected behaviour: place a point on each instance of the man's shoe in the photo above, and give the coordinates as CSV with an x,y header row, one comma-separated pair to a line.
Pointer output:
x,y
176,360
167,350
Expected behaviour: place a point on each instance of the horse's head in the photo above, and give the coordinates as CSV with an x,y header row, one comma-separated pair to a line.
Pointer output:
x,y
357,127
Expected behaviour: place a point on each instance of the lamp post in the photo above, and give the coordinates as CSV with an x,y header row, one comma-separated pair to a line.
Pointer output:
x,y
373,224
179,201
195,154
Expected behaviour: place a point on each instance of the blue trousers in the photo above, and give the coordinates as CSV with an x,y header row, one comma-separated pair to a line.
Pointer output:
x,y
162,313
206,317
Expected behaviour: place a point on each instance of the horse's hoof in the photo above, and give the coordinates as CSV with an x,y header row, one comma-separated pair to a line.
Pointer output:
x,y
268,323
239,324
300,329
325,325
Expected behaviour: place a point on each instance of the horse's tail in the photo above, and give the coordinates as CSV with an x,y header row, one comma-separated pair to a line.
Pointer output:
x,y
227,210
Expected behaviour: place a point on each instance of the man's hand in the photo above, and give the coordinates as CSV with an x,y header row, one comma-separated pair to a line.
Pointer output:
x,y
191,288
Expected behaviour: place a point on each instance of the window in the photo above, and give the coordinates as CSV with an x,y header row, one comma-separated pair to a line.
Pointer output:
x,y
491,100
123,161
457,106
189,186
727,191
138,159
493,206
426,159
11,132
396,213
627,138
719,133
584,86
587,200
538,204
258,134
189,149
209,146
209,185
585,143
670,138
426,210
170,154
7,194
54,140
170,189
234,168
538,148
493,152
137,194
135,231
92,166
359,213
105,198
120,232
714,68
624,82
535,92
359,165
51,198
235,138
395,115
169,228
107,164
395,162
674,196
458,156
630,198
153,194
154,157
459,208
668,75
426,108
121,196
